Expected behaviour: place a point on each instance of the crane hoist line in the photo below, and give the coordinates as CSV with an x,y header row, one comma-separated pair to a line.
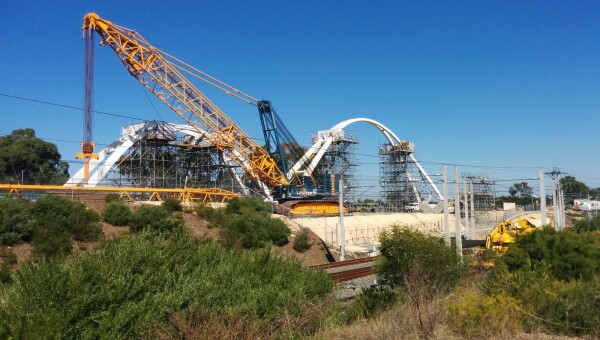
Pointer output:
x,y
162,75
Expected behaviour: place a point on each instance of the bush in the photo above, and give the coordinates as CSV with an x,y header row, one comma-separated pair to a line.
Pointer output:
x,y
112,198
51,240
248,224
56,219
588,224
8,256
423,266
570,255
129,286
14,226
116,213
172,205
5,274
476,316
252,230
412,258
84,223
204,211
153,219
557,306
301,243
372,301
243,205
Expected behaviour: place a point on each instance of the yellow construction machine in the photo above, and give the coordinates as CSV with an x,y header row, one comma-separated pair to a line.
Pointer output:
x,y
506,233
497,242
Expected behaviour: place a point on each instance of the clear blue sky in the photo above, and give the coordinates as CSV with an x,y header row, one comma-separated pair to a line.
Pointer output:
x,y
508,86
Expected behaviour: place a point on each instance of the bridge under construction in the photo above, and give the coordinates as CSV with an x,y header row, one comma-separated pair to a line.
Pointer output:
x,y
208,157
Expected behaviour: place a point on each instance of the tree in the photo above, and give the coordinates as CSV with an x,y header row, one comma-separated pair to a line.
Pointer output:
x,y
21,153
521,190
573,188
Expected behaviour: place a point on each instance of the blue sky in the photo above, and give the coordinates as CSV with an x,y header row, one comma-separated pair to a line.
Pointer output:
x,y
498,87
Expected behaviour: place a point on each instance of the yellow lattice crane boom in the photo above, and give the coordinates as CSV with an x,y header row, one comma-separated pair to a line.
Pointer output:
x,y
162,75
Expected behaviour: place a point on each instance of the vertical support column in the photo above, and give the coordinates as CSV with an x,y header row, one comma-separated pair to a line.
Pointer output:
x,y
457,228
555,205
471,189
446,212
466,198
341,229
561,207
543,211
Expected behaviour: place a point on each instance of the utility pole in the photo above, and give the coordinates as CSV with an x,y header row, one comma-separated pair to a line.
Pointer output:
x,y
341,232
446,213
457,231
473,229
467,224
557,200
543,211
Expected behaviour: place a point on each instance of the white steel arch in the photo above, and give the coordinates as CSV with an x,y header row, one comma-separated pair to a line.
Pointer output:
x,y
131,134
307,163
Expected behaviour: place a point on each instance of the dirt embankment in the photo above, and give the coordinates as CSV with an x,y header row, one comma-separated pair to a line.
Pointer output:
x,y
198,227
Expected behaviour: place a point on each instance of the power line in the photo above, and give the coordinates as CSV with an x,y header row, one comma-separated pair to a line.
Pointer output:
x,y
69,107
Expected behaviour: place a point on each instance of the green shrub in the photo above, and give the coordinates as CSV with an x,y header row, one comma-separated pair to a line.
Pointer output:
x,y
14,225
153,219
243,205
111,198
557,306
178,215
204,211
52,208
116,213
569,308
131,285
588,224
247,223
570,255
301,243
372,301
252,230
84,223
218,218
171,205
5,273
423,266
8,256
51,240
410,257
56,219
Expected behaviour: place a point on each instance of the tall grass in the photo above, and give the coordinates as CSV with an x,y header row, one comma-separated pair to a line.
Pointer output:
x,y
127,286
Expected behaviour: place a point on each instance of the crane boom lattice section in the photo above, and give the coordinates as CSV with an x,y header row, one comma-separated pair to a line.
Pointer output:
x,y
160,74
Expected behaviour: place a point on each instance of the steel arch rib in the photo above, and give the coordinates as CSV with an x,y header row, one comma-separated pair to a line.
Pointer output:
x,y
319,148
112,153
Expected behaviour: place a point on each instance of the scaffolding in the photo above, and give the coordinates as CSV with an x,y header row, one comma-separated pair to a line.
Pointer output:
x,y
482,192
339,161
162,158
397,176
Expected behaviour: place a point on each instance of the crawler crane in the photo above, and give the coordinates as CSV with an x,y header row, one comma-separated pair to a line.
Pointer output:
x,y
162,74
